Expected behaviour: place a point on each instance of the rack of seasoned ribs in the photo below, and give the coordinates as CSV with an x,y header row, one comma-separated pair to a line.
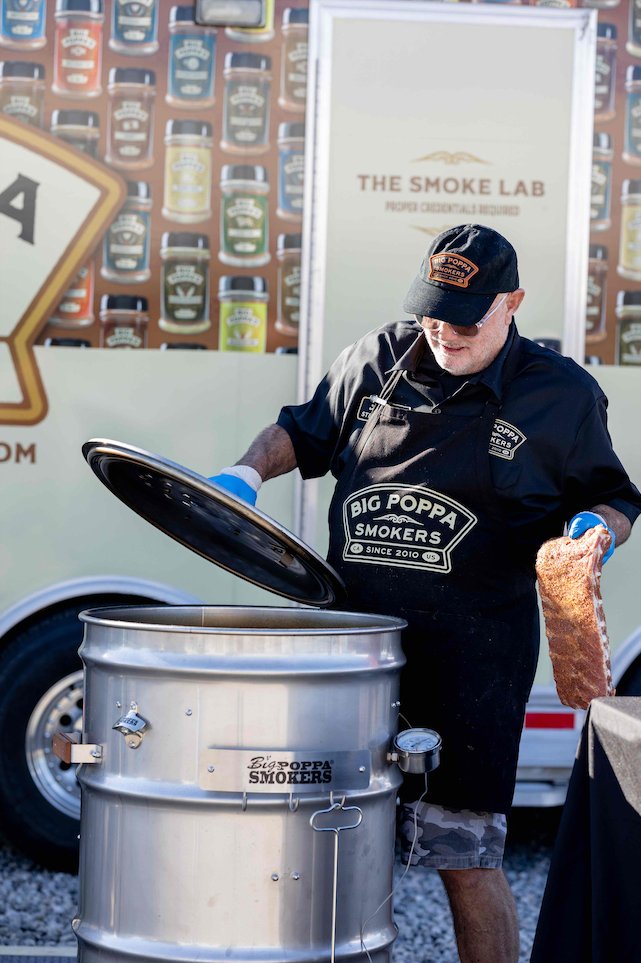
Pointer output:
x,y
569,574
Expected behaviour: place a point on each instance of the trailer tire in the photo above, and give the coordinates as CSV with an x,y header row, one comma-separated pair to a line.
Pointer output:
x,y
41,691
41,685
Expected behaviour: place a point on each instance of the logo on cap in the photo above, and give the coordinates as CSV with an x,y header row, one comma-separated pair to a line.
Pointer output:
x,y
451,269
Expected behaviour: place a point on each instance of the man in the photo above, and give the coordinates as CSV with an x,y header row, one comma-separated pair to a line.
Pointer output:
x,y
458,447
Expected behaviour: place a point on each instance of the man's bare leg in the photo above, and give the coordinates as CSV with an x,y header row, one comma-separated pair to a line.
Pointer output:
x,y
485,920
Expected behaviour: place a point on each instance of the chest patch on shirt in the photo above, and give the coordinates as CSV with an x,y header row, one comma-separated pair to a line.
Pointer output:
x,y
404,525
506,438
365,408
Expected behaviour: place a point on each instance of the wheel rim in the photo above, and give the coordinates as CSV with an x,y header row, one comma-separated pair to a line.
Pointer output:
x,y
59,709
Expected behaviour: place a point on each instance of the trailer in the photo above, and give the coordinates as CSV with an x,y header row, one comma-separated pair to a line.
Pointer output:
x,y
168,231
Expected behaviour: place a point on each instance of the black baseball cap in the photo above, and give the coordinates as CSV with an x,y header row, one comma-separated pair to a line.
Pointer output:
x,y
461,274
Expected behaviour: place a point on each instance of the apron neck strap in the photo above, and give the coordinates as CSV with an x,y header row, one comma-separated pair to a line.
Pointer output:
x,y
511,364
388,388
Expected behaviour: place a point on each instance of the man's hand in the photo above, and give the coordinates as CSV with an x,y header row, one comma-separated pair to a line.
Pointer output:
x,y
240,480
270,454
583,522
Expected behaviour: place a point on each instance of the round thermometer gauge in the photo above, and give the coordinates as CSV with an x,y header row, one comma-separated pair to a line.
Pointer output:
x,y
418,750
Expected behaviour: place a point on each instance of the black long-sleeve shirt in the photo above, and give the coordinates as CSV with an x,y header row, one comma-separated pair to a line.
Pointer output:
x,y
550,453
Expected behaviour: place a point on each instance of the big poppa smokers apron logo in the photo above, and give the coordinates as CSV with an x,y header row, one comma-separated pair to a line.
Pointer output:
x,y
505,439
404,525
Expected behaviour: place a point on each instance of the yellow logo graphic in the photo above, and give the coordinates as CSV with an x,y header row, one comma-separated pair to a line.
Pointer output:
x,y
446,157
55,204
433,231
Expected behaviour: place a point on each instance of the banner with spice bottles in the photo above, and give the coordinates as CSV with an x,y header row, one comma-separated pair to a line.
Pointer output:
x,y
71,66
613,308
207,128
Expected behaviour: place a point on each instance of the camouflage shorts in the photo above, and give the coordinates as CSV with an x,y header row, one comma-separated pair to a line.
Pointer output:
x,y
451,838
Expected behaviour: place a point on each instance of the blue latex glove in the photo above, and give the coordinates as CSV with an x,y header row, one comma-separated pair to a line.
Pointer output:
x,y
236,486
583,522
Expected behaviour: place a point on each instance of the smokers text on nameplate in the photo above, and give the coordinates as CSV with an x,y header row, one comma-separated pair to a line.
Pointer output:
x,y
283,771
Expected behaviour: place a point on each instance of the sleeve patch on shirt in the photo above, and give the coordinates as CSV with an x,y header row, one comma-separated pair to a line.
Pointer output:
x,y
505,439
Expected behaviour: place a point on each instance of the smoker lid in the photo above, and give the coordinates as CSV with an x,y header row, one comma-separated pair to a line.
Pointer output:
x,y
214,523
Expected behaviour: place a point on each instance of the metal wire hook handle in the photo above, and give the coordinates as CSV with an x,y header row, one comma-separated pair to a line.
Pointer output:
x,y
334,808
336,830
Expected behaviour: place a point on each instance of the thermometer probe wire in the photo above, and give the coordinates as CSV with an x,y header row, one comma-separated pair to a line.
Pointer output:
x,y
404,874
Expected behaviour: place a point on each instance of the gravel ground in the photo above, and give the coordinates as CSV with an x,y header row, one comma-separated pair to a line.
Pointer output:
x,y
36,906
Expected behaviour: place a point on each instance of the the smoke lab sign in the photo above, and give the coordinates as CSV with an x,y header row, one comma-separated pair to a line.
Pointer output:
x,y
404,525
282,771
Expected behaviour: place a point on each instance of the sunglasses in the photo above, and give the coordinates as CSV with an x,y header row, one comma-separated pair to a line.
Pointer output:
x,y
465,330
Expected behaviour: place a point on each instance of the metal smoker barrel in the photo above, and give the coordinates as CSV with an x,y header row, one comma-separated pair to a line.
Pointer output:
x,y
224,740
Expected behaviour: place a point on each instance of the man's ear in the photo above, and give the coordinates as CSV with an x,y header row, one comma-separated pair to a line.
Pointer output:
x,y
514,299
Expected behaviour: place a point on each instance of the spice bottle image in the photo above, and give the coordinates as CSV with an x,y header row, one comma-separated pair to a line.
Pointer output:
x,y
182,346
633,44
601,187
293,64
595,306
628,337
256,34
632,131
605,72
134,27
22,24
243,313
192,61
288,254
629,265
129,120
67,343
562,4
125,257
246,103
22,91
124,320
291,170
75,309
79,128
77,62
244,216
187,185
184,285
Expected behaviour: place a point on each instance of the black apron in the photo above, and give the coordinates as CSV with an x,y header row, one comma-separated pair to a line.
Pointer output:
x,y
416,531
